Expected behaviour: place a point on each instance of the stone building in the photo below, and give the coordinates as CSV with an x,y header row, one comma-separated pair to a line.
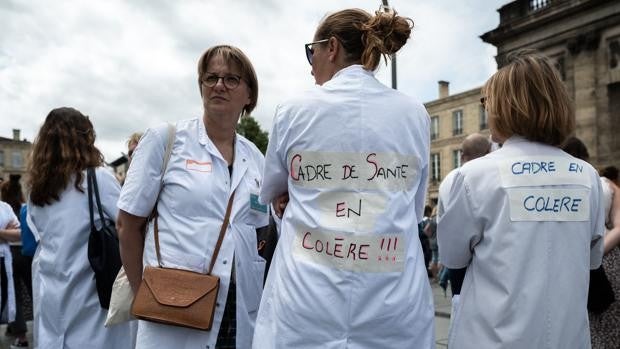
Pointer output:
x,y
13,155
453,117
582,37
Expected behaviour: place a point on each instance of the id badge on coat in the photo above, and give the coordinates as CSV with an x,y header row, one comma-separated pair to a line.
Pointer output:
x,y
255,205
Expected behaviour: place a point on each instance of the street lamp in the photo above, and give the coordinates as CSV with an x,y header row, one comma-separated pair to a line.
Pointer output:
x,y
393,56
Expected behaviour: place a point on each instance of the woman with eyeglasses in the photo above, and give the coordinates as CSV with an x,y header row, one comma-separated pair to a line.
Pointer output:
x,y
209,162
353,156
525,220
66,307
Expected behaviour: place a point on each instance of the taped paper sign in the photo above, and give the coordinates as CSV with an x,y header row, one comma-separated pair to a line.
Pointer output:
x,y
388,171
371,253
350,210
546,204
540,171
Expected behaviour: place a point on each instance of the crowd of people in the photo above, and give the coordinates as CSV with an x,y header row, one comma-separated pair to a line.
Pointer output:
x,y
334,212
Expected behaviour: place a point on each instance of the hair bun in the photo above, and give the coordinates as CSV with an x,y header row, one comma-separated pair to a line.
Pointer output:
x,y
386,31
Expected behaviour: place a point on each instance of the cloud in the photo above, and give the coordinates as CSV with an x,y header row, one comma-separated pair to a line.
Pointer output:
x,y
132,64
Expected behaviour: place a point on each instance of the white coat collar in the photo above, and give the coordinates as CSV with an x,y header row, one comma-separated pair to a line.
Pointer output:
x,y
202,132
354,69
514,139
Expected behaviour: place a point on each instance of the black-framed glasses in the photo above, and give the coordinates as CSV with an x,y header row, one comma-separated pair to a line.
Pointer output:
x,y
310,49
230,81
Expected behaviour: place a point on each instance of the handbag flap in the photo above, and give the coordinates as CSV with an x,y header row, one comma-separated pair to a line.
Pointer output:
x,y
178,288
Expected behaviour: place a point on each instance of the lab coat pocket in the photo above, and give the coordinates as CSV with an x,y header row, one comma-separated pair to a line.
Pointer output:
x,y
254,290
183,261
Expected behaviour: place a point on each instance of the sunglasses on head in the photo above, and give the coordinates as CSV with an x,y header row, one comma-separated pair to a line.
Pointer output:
x,y
310,49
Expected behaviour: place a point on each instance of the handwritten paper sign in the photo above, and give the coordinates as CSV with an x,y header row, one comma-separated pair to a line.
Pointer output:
x,y
350,211
373,253
350,171
539,171
547,204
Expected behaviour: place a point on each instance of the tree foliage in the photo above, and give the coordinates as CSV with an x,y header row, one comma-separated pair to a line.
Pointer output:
x,y
250,129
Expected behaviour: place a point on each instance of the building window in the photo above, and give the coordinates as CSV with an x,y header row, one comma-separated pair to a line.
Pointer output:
x,y
614,54
434,127
17,159
484,118
435,167
457,122
456,157
1,158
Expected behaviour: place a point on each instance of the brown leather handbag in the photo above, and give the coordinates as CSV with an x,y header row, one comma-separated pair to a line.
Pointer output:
x,y
179,297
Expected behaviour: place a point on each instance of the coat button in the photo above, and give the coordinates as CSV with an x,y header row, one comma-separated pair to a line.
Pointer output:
x,y
225,261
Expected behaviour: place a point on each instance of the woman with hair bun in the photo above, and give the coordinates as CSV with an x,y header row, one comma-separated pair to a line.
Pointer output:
x,y
352,155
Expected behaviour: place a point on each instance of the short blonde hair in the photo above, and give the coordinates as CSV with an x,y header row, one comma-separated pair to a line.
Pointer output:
x,y
232,55
528,98
134,138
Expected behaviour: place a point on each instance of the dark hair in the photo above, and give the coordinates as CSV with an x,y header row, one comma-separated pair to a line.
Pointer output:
x,y
11,192
428,210
575,147
65,146
610,172
232,55
365,37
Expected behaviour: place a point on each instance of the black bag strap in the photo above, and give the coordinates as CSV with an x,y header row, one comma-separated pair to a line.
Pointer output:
x,y
91,178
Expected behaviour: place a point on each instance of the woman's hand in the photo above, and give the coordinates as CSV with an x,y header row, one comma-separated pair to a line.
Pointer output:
x,y
279,204
130,235
11,232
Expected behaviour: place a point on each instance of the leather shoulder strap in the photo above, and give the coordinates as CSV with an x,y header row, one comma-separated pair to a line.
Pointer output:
x,y
171,137
223,229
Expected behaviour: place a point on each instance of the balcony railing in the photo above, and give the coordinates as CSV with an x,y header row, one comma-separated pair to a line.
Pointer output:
x,y
536,5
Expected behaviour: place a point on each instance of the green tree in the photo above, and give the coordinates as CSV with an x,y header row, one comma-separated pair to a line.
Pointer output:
x,y
250,129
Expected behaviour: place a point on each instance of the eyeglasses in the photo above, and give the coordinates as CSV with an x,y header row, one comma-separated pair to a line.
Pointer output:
x,y
230,81
310,50
483,101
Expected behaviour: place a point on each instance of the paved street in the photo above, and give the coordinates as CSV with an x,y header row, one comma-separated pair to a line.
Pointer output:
x,y
442,321
442,315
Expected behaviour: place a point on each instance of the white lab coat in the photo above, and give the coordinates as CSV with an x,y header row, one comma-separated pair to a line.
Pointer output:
x,y
191,209
348,271
7,216
444,191
527,222
67,313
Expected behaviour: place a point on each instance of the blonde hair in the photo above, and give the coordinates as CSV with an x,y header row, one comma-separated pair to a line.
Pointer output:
x,y
134,138
365,38
527,98
232,55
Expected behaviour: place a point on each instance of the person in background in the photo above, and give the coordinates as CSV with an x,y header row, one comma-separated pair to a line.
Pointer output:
x,y
523,220
473,147
67,312
339,279
430,230
9,231
611,173
604,328
209,162
132,143
11,193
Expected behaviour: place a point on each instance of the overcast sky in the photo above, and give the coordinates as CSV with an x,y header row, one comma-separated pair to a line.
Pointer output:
x,y
130,65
